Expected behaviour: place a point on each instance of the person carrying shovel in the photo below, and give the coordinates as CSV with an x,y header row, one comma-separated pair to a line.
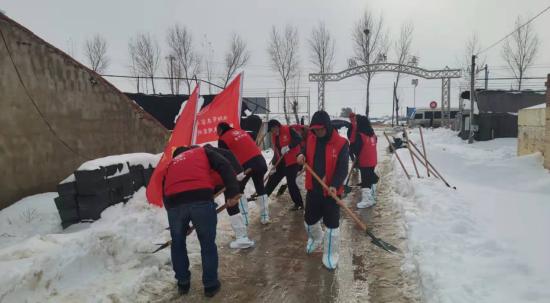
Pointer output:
x,y
188,194
326,152
249,155
365,143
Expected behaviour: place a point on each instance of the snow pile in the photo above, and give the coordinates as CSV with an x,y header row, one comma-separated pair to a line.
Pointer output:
x,y
88,262
34,215
143,159
488,240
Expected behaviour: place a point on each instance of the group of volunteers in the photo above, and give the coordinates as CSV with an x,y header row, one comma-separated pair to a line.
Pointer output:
x,y
197,173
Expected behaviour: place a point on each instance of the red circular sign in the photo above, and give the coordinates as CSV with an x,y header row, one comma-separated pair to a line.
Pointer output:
x,y
433,104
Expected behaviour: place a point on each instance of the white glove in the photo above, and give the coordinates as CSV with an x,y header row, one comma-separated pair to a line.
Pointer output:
x,y
285,150
241,176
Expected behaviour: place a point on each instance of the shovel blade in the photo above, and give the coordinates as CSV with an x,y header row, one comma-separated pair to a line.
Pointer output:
x,y
383,244
162,246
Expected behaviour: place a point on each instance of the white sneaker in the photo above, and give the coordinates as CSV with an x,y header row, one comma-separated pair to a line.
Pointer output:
x,y
366,198
241,235
264,210
331,248
314,236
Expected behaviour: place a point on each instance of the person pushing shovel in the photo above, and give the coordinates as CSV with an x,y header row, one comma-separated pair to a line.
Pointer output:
x,y
326,152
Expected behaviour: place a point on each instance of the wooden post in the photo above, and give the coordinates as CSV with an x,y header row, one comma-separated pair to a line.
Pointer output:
x,y
424,148
410,151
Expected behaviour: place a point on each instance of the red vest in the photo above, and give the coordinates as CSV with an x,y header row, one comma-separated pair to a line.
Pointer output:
x,y
284,140
368,155
188,171
241,144
333,148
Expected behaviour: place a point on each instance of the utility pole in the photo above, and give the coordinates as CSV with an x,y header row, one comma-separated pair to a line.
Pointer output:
x,y
472,97
367,32
171,62
486,77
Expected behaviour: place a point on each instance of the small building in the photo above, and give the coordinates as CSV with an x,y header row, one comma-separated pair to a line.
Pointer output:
x,y
531,129
496,113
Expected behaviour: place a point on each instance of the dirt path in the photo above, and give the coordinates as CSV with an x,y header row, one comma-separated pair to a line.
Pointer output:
x,y
387,280
278,270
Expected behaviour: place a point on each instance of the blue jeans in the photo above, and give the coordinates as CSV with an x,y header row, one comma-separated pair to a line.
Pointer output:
x,y
204,218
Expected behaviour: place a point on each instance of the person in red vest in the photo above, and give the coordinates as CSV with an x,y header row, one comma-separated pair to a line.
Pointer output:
x,y
285,143
327,153
235,217
188,197
249,155
365,145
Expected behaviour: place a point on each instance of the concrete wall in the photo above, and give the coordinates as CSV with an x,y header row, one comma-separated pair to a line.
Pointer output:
x,y
547,133
55,114
531,130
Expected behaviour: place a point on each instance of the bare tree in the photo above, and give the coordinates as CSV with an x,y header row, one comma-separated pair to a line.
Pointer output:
x,y
520,52
96,53
322,46
180,43
473,47
402,48
145,55
283,52
370,40
235,58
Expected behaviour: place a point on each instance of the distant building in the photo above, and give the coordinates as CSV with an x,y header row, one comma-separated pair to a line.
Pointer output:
x,y
166,107
496,113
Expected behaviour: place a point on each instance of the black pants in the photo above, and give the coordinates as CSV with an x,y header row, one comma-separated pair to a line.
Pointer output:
x,y
290,172
259,168
368,177
320,207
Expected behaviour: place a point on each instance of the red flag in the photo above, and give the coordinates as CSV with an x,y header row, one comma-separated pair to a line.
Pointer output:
x,y
181,136
226,107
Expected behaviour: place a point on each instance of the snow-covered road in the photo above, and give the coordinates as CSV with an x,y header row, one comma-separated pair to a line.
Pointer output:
x,y
486,241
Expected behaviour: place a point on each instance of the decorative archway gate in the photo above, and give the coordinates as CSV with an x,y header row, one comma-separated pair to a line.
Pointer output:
x,y
445,75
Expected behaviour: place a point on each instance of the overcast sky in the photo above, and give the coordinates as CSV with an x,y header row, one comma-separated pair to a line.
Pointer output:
x,y
441,27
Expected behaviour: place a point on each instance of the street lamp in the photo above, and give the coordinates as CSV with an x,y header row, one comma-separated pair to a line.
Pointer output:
x,y
367,32
415,83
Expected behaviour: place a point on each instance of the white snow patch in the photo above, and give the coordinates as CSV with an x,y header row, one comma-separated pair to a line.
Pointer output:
x,y
488,240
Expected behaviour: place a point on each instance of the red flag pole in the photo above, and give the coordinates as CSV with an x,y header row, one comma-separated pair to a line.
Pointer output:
x,y
240,98
194,132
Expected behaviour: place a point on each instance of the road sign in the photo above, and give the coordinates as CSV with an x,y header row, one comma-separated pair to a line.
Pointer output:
x,y
433,104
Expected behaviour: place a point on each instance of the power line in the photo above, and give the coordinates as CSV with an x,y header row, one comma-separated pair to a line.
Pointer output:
x,y
519,27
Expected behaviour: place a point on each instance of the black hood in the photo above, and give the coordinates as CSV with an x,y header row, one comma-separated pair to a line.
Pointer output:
x,y
223,126
322,118
364,126
273,123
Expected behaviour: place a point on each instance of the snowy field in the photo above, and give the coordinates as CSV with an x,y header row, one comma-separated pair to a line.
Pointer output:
x,y
105,261
486,241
